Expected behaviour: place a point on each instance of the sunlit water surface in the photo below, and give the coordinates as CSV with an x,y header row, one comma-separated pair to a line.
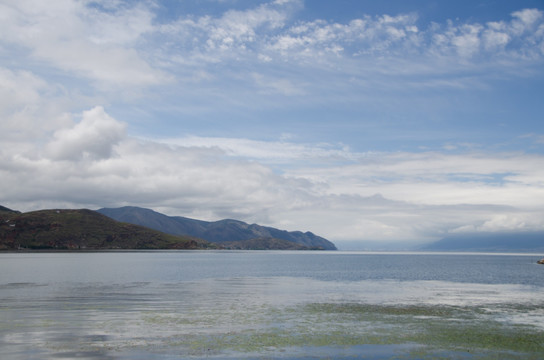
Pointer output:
x,y
270,305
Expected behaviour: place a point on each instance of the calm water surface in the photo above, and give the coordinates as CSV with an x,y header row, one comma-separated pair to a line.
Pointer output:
x,y
270,305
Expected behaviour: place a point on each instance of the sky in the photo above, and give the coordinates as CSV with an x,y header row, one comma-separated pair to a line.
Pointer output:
x,y
365,122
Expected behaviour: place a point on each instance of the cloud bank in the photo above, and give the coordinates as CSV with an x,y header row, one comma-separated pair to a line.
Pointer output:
x,y
100,103
372,196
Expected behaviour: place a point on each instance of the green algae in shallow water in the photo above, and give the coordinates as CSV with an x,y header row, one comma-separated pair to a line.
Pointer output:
x,y
320,328
444,327
347,325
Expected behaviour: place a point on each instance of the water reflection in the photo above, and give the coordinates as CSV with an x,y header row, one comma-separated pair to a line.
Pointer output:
x,y
184,315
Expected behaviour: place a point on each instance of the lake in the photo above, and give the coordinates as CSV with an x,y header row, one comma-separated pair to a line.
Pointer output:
x,y
270,305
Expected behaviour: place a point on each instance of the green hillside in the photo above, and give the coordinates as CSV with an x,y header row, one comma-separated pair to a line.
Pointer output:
x,y
82,229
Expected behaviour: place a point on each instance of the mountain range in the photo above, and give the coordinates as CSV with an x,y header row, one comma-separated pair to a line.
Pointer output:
x,y
228,233
70,229
139,228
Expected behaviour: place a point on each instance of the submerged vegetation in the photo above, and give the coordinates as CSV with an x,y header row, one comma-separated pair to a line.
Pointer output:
x,y
341,329
432,329
454,328
172,305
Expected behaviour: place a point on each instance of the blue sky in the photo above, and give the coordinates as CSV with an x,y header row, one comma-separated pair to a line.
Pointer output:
x,y
385,121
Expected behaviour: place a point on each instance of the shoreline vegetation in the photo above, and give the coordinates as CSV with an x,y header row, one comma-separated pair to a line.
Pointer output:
x,y
88,230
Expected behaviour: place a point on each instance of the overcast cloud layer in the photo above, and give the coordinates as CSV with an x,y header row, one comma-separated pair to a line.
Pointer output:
x,y
382,127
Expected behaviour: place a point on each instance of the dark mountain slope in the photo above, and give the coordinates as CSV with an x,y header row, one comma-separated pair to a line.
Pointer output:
x,y
82,229
155,220
5,209
216,231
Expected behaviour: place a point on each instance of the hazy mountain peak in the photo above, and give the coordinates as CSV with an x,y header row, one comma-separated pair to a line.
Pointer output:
x,y
226,230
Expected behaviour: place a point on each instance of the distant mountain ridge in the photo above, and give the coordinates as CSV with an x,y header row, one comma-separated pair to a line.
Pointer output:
x,y
264,244
220,232
492,242
82,229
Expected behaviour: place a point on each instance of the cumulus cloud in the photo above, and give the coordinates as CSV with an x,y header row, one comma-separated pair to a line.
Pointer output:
x,y
371,196
179,179
94,137
59,149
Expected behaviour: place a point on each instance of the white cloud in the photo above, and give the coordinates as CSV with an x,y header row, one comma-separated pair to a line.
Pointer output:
x,y
123,46
30,107
439,179
73,37
266,31
468,42
495,40
367,36
271,152
521,37
224,37
347,59
424,196
58,48
17,91
240,27
277,85
525,20
94,137
505,222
